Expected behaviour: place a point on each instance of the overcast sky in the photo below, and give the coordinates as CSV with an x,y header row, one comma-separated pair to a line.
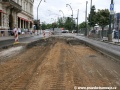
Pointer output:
x,y
49,10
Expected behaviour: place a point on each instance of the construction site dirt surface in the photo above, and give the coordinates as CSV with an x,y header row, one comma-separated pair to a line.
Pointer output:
x,y
58,63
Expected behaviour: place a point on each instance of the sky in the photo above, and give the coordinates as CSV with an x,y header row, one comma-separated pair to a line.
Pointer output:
x,y
49,10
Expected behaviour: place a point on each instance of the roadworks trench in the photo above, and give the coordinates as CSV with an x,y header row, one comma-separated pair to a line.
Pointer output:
x,y
58,64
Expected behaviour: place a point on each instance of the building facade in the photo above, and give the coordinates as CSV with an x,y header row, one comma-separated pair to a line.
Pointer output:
x,y
16,13
117,21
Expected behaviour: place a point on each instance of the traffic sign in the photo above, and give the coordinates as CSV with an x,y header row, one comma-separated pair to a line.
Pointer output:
x,y
111,8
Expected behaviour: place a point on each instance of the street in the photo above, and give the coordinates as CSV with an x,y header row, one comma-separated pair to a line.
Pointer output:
x,y
58,64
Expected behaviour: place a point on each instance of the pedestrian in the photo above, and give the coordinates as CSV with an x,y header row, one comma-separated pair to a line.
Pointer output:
x,y
116,34
15,30
30,32
19,31
113,33
9,32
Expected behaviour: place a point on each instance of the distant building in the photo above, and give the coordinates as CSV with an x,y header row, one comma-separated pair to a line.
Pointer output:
x,y
117,20
17,13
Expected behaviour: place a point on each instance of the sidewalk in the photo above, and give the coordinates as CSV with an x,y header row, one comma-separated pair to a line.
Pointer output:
x,y
105,39
12,37
114,41
106,48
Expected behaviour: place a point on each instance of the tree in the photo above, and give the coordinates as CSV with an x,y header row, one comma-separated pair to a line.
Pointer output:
x,y
82,25
103,18
43,26
60,22
92,17
69,23
49,26
54,25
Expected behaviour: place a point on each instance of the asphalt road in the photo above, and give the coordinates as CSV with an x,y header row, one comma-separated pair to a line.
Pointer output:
x,y
29,39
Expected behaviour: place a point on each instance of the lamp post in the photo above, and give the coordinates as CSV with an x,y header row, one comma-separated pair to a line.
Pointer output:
x,y
77,21
62,12
90,14
110,31
71,9
38,7
72,12
86,31
37,13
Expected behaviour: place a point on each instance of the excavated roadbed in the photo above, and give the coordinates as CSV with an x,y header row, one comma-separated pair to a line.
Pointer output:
x,y
57,63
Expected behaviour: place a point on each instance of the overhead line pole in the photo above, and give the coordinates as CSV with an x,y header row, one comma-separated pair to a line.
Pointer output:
x,y
110,29
86,31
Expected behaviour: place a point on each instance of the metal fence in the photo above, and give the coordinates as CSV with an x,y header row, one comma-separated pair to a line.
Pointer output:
x,y
97,33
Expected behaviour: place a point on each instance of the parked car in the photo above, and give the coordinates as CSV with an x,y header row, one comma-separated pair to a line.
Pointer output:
x,y
11,33
74,31
65,31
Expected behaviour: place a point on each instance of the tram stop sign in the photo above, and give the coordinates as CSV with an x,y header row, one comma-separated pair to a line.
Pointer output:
x,y
111,9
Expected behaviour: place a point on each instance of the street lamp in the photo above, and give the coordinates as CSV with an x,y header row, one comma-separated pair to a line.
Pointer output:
x,y
37,12
72,13
62,12
38,7
77,20
71,9
86,31
110,29
90,13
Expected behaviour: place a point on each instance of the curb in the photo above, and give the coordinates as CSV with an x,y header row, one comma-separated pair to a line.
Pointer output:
x,y
113,43
12,38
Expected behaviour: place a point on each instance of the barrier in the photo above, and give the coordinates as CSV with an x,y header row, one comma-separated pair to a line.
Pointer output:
x,y
50,33
44,37
16,36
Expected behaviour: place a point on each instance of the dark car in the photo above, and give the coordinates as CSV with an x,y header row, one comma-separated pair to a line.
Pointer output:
x,y
11,33
65,31
74,31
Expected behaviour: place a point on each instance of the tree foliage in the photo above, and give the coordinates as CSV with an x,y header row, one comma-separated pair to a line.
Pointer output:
x,y
82,25
69,23
60,22
103,18
92,17
43,26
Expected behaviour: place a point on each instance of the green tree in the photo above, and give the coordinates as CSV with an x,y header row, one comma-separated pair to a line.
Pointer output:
x,y
44,26
60,22
82,25
54,25
69,23
103,18
92,17
48,26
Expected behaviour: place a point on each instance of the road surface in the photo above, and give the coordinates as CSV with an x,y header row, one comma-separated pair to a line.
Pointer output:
x,y
58,64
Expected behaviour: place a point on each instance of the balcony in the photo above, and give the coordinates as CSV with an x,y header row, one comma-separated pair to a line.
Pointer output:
x,y
11,4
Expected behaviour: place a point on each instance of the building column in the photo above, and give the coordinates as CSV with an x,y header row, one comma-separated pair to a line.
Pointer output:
x,y
23,23
29,25
20,23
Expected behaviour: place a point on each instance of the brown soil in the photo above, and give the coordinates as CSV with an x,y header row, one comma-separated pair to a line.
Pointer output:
x,y
58,66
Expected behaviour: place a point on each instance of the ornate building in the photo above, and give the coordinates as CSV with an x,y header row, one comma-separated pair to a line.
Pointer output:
x,y
16,13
